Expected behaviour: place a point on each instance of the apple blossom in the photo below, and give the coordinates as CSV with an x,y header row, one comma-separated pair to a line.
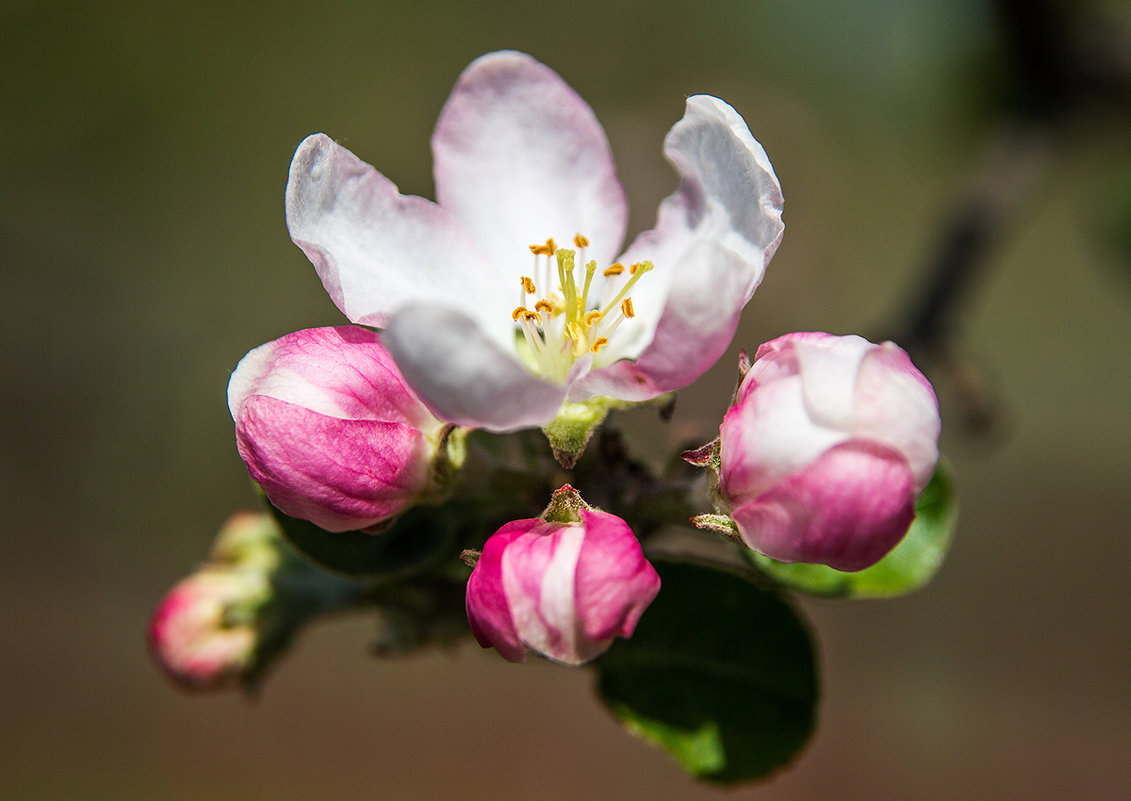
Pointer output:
x,y
328,428
561,589
191,637
826,448
490,336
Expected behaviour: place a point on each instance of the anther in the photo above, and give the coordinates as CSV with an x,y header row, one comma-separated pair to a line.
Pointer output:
x,y
591,317
626,308
613,269
534,317
518,312
544,306
544,250
580,241
599,343
528,285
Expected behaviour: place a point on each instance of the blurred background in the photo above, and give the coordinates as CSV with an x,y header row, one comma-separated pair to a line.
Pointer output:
x,y
143,155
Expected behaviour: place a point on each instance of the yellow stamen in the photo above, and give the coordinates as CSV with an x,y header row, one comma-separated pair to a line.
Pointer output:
x,y
590,269
569,286
547,249
566,323
638,271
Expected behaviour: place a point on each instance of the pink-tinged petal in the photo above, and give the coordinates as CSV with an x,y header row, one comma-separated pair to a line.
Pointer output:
x,y
847,509
728,194
376,249
614,582
829,370
697,324
538,578
464,377
339,474
767,436
712,241
895,404
341,372
519,157
786,342
487,609
773,361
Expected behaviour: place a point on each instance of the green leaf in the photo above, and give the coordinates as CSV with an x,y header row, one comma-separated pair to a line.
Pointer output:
x,y
908,567
720,673
415,541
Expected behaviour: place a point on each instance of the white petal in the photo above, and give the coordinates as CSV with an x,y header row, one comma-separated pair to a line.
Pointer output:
x,y
895,404
376,249
710,246
728,194
519,157
770,435
829,370
696,326
463,376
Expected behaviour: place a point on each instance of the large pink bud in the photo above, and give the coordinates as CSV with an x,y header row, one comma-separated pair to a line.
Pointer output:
x,y
328,428
826,449
564,590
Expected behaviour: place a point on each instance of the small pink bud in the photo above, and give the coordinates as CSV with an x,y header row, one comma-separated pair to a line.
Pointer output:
x,y
561,589
192,636
828,445
328,428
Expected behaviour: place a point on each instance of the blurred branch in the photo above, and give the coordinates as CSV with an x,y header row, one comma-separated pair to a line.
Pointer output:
x,y
1060,65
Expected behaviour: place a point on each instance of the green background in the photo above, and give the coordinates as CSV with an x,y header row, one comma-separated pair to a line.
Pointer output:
x,y
143,155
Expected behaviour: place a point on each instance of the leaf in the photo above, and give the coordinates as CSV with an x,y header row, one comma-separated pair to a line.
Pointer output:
x,y
416,540
907,568
719,672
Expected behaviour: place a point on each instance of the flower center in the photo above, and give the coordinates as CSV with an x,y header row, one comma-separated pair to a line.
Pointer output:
x,y
565,323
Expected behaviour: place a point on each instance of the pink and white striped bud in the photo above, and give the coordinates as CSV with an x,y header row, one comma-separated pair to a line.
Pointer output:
x,y
328,428
203,634
826,449
561,589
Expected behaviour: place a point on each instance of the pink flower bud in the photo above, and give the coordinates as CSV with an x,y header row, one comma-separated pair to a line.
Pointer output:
x,y
329,429
828,445
192,636
564,590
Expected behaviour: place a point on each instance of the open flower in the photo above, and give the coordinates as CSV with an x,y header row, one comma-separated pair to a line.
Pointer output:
x,y
562,589
329,430
492,336
826,449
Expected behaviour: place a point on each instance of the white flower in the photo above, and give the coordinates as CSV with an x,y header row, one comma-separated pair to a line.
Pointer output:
x,y
487,334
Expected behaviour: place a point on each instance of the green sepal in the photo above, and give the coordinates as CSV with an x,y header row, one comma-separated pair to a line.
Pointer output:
x,y
910,566
571,430
720,672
